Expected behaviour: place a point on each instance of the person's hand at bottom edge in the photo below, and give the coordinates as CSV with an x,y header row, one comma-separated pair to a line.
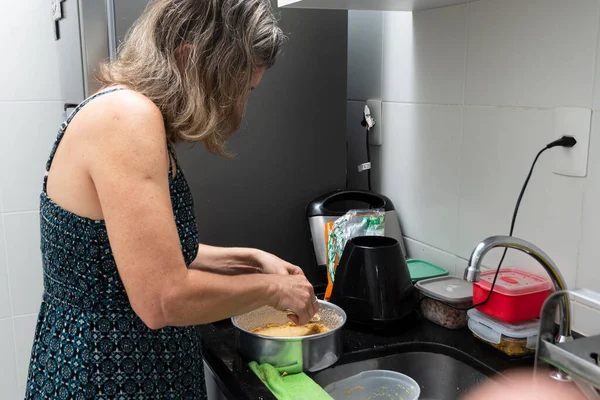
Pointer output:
x,y
523,385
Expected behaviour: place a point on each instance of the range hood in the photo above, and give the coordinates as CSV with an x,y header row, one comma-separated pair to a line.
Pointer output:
x,y
386,5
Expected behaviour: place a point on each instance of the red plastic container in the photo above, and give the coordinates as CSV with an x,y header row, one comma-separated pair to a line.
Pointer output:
x,y
518,296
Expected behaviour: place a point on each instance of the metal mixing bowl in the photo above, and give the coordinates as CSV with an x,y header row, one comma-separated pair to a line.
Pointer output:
x,y
292,354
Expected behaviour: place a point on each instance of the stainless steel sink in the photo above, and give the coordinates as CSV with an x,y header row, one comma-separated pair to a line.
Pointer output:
x,y
442,372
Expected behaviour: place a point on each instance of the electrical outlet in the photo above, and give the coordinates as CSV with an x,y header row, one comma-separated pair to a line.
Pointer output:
x,y
375,133
576,122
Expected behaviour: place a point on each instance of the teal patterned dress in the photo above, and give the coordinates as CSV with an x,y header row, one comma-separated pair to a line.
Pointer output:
x,y
89,343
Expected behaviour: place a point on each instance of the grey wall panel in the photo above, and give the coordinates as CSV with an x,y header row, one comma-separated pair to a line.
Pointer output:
x,y
356,137
290,150
93,20
70,60
126,12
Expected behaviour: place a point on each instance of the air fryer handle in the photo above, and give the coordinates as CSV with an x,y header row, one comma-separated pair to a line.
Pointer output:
x,y
357,195
325,204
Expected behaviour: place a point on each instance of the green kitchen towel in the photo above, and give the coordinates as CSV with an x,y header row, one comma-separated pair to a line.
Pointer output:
x,y
289,387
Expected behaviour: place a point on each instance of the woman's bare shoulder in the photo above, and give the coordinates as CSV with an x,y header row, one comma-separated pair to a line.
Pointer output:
x,y
124,106
122,124
121,117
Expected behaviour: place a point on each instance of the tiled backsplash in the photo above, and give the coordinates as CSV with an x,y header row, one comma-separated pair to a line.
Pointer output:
x,y
30,111
468,95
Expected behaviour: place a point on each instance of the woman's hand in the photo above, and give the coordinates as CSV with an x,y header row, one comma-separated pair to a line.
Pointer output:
x,y
295,293
271,264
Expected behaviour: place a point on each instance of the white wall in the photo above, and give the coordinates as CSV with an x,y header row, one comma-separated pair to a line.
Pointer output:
x,y
469,93
30,111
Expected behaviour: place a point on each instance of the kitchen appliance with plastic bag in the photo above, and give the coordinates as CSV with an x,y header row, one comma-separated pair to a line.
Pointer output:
x,y
329,207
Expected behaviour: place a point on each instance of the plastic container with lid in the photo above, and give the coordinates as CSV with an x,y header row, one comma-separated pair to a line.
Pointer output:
x,y
518,296
421,270
375,384
512,339
441,298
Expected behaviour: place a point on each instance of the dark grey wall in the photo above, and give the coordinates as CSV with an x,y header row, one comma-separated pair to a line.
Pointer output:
x,y
290,150
356,136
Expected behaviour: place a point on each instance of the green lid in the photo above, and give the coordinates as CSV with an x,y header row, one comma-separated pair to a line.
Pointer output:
x,y
420,270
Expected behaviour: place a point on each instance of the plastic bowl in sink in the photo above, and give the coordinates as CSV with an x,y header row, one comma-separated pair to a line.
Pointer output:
x,y
373,385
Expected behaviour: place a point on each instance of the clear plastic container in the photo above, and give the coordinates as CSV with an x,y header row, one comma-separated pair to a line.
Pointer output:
x,y
512,339
375,384
518,295
441,298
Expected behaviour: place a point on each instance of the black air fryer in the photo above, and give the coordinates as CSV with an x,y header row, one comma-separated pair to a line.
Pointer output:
x,y
372,283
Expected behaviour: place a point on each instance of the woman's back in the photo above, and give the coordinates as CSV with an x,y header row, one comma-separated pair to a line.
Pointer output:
x,y
88,338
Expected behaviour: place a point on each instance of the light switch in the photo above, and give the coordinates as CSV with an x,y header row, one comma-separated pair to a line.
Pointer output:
x,y
576,122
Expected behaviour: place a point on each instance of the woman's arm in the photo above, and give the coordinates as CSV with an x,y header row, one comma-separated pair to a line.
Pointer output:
x,y
237,261
128,163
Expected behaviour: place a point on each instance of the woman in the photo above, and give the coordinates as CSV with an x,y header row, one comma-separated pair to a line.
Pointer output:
x,y
124,275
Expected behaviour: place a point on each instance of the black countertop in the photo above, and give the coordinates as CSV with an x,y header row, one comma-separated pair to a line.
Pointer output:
x,y
238,382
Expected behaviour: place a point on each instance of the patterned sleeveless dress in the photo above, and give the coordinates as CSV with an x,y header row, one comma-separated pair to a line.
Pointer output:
x,y
89,343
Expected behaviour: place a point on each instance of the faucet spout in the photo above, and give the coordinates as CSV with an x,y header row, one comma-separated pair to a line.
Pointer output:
x,y
473,271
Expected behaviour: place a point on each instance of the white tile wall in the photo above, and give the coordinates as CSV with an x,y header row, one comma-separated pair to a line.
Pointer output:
x,y
589,257
586,318
424,56
22,234
4,294
506,64
493,171
596,103
24,331
9,388
538,53
30,111
421,169
422,251
23,154
30,63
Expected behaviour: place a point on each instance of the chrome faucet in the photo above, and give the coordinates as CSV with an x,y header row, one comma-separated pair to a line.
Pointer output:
x,y
473,271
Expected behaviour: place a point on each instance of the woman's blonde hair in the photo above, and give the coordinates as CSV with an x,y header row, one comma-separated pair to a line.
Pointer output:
x,y
195,60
